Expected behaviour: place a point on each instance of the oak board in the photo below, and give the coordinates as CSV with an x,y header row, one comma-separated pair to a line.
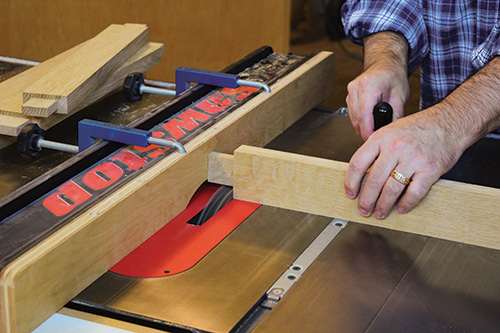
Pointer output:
x,y
148,56
451,210
74,78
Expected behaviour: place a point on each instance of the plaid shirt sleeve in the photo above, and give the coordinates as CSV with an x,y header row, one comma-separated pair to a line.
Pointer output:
x,y
488,49
365,17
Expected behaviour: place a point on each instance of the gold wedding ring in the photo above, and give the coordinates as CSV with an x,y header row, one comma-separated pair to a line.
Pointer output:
x,y
400,178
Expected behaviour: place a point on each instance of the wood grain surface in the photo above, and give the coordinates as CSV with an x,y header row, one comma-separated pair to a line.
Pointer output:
x,y
11,99
73,79
147,57
11,90
220,168
11,126
451,210
39,107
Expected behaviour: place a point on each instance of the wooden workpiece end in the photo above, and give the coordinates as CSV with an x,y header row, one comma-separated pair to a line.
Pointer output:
x,y
148,56
11,126
38,107
76,77
220,169
11,90
11,104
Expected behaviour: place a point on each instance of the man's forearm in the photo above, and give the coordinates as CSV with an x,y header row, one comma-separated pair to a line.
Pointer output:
x,y
386,47
473,109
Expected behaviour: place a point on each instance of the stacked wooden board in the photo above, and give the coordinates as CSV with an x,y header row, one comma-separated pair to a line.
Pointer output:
x,y
57,88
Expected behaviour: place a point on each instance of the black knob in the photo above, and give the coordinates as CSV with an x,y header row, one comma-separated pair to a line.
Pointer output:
x,y
382,114
28,138
132,87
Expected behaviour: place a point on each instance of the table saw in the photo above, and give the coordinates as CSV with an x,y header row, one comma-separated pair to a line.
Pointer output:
x,y
270,269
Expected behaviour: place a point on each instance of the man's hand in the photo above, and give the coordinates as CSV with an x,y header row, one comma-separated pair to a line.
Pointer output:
x,y
377,84
385,79
424,146
417,146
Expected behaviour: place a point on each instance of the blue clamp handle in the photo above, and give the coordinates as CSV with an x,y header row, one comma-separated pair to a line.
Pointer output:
x,y
90,130
185,75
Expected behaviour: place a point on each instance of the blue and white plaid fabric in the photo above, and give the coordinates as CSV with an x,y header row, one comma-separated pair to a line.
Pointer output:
x,y
449,39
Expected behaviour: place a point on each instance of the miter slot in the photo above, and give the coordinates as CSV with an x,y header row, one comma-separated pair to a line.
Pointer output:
x,y
299,266
292,275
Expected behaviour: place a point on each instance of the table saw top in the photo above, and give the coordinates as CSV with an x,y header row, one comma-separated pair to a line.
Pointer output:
x,y
368,278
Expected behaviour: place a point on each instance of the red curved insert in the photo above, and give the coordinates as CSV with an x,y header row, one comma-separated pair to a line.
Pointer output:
x,y
179,245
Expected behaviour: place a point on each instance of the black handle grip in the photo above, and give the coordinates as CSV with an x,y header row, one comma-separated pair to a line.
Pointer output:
x,y
382,114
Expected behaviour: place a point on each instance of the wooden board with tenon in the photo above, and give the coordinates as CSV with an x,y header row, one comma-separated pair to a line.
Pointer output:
x,y
37,94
